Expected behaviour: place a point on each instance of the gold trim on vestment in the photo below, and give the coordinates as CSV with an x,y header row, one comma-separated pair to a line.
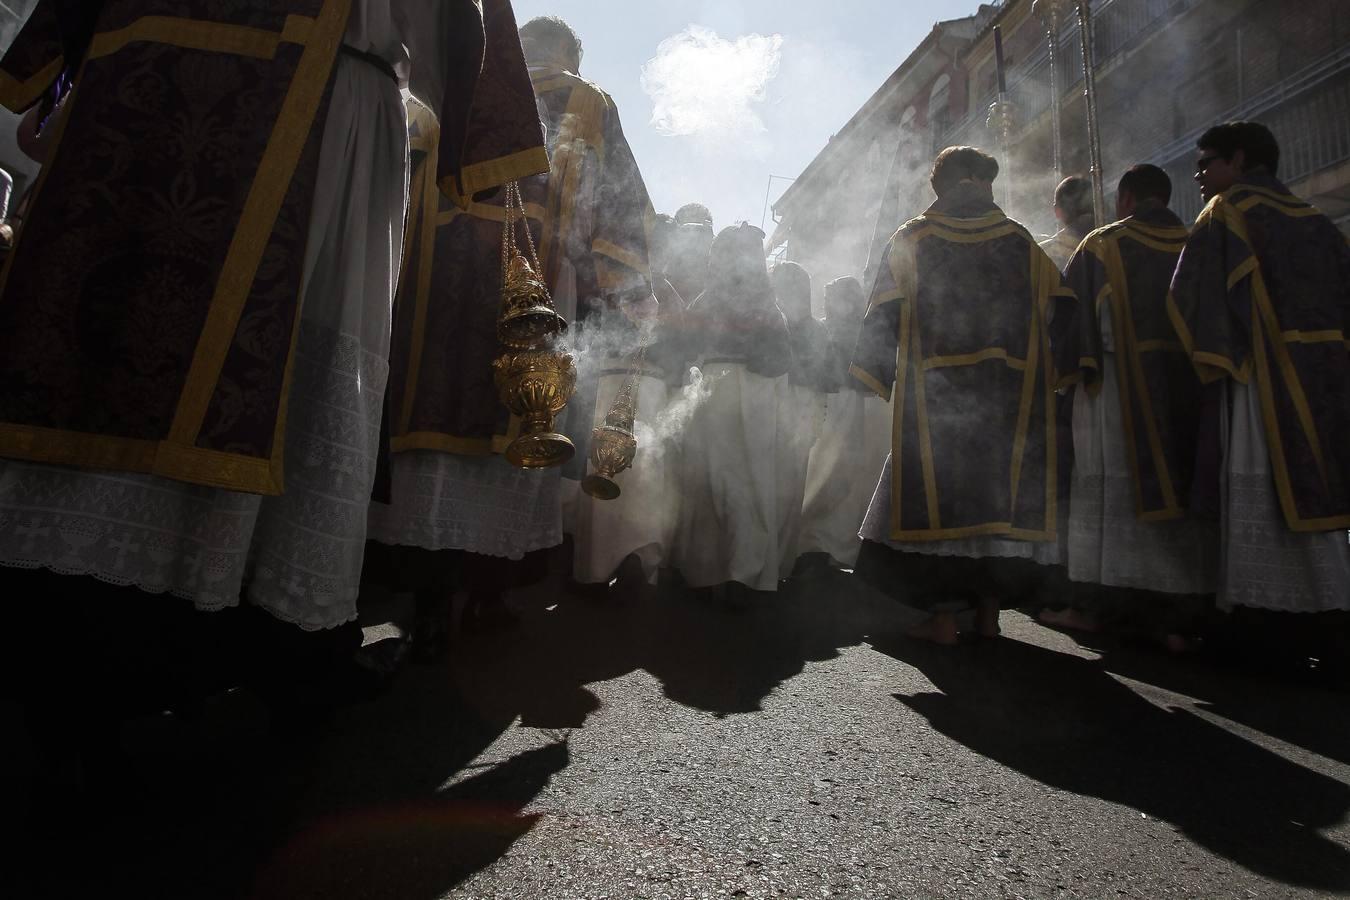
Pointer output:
x,y
1051,410
620,255
198,34
488,212
898,414
985,221
871,382
1330,336
493,173
972,359
1164,234
270,185
1286,204
930,490
17,96
426,262
1130,381
1209,367
1244,269
966,237
1024,409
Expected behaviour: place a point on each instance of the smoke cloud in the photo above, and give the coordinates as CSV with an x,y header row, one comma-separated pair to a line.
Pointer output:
x,y
701,84
663,431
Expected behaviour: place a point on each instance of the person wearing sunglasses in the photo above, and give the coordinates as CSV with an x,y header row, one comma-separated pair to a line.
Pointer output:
x,y
1260,301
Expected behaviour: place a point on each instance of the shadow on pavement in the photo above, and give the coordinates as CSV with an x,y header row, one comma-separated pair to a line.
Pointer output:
x,y
1249,676
1065,722
420,849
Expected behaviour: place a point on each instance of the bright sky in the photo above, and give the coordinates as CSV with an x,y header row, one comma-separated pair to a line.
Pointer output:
x,y
738,90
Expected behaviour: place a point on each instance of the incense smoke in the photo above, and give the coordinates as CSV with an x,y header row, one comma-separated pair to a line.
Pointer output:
x,y
702,84
660,432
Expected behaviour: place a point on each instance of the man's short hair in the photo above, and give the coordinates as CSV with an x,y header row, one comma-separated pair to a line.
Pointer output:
x,y
1257,143
694,214
957,164
547,33
1074,196
1147,182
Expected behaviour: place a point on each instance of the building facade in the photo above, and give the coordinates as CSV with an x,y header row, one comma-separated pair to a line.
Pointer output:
x,y
876,165
1166,70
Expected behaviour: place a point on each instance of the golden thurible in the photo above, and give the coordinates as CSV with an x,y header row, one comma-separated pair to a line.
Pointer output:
x,y
535,375
614,443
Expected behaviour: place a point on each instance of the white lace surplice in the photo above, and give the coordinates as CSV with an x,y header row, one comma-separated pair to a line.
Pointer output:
x,y
1263,563
298,555
1107,543
481,504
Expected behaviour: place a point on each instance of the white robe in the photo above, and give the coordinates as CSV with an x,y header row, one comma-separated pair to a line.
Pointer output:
x,y
800,421
731,482
298,555
642,519
1108,544
842,476
1264,564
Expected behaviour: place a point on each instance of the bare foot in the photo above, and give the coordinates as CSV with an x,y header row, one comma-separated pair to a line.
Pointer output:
x,y
986,618
940,629
1071,619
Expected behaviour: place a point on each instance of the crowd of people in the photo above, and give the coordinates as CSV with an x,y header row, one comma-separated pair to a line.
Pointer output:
x,y
247,360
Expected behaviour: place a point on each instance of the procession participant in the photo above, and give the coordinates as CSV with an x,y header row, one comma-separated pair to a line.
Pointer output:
x,y
452,494
958,327
694,214
853,443
803,413
1073,212
216,330
1135,426
728,534
1259,301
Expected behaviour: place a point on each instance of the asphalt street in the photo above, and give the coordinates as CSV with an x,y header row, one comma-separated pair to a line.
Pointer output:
x,y
656,746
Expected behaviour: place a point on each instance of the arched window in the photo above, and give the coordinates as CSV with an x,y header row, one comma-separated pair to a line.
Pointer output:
x,y
907,120
874,160
940,107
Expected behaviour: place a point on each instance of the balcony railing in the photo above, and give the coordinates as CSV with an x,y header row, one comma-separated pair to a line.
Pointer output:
x,y
1117,26
1309,114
